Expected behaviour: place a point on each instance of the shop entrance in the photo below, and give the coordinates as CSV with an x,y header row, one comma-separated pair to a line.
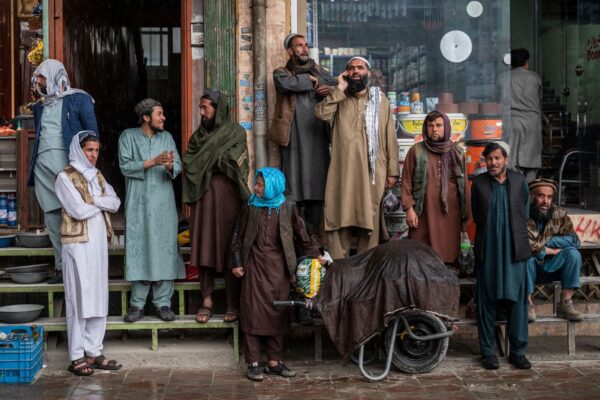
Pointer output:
x,y
121,53
569,55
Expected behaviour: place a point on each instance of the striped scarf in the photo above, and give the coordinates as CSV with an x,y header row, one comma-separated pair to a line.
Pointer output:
x,y
372,125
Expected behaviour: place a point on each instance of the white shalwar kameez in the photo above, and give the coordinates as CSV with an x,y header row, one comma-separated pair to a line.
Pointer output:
x,y
85,265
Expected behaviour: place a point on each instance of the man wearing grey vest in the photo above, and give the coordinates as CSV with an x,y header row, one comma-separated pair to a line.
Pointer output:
x,y
433,189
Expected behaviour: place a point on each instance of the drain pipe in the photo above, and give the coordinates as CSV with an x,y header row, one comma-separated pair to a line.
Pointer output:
x,y
259,66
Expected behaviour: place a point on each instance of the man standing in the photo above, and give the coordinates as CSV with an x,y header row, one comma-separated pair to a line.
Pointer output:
x,y
303,139
364,159
554,245
58,116
87,201
500,202
433,189
214,183
149,161
521,91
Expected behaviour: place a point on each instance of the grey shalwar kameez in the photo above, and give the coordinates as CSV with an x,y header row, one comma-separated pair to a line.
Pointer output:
x,y
52,158
521,91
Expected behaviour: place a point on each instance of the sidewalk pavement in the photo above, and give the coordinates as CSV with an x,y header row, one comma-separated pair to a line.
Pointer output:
x,y
201,368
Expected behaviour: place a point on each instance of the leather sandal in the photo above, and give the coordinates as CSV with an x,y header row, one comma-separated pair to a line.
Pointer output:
x,y
230,316
99,363
203,315
80,367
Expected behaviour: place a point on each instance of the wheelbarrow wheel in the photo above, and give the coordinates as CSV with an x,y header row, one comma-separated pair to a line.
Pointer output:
x,y
418,356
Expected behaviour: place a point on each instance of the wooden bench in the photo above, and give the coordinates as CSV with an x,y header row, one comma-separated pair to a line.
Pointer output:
x,y
116,323
552,319
54,323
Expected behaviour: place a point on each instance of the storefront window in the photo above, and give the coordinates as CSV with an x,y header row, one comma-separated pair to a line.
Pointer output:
x,y
424,54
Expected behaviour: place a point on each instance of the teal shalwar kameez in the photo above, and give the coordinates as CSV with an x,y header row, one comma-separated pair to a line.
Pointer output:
x,y
501,281
51,159
564,267
151,250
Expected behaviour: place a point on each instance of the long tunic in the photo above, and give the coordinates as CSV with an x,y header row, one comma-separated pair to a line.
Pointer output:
x,y
351,199
151,248
499,277
51,159
306,158
441,232
266,278
85,265
213,220
521,91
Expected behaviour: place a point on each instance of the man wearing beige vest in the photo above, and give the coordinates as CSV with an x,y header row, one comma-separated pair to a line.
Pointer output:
x,y
87,201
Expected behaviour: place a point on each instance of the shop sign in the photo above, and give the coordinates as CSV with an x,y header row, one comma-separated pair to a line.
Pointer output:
x,y
593,48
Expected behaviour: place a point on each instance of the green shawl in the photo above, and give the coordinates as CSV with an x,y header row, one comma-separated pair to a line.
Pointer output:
x,y
223,149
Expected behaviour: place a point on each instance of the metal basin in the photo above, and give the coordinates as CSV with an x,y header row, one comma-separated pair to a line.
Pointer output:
x,y
7,240
28,277
33,239
28,268
20,313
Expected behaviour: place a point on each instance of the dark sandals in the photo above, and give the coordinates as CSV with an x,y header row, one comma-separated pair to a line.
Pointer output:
x,y
99,363
203,315
230,316
80,367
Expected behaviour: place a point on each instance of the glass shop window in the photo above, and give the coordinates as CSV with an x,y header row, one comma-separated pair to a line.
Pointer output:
x,y
424,54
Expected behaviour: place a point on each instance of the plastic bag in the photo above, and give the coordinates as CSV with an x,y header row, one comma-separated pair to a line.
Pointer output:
x,y
466,258
390,202
309,276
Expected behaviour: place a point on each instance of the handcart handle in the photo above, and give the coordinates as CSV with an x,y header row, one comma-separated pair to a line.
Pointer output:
x,y
288,303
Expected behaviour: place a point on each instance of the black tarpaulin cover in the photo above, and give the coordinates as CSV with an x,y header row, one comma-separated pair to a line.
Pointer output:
x,y
363,293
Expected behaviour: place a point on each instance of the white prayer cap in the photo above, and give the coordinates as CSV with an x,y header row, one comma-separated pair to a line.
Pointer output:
x,y
287,42
505,146
359,58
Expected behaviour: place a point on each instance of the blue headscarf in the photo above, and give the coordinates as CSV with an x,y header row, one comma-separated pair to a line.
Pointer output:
x,y
274,188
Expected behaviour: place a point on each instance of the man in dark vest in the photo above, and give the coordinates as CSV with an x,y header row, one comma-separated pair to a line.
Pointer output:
x,y
433,189
303,139
500,205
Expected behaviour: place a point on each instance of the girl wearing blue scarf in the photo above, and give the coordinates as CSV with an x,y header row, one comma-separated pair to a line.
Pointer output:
x,y
265,260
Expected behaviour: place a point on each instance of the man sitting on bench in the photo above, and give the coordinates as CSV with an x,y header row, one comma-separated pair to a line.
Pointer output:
x,y
554,245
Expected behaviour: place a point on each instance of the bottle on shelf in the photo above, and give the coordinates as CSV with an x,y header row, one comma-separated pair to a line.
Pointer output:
x,y
12,211
3,210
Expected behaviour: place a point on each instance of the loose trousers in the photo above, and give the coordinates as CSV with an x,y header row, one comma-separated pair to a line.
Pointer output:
x,y
339,241
274,349
564,267
162,291
516,324
85,336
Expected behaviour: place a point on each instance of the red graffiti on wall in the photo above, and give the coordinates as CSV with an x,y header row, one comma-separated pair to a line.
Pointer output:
x,y
587,227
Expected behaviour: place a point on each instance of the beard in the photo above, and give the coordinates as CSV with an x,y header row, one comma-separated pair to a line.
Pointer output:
x,y
538,215
156,128
300,59
42,90
356,86
208,124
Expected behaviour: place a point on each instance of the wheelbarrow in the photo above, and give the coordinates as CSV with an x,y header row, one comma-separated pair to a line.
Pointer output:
x,y
398,297
415,342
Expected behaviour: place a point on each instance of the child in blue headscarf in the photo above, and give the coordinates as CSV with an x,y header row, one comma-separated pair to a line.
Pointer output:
x,y
265,260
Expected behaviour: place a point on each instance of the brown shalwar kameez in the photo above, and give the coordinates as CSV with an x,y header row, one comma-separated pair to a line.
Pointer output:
x,y
213,220
441,232
267,277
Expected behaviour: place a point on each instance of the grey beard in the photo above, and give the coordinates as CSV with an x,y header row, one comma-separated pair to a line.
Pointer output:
x,y
299,61
538,215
